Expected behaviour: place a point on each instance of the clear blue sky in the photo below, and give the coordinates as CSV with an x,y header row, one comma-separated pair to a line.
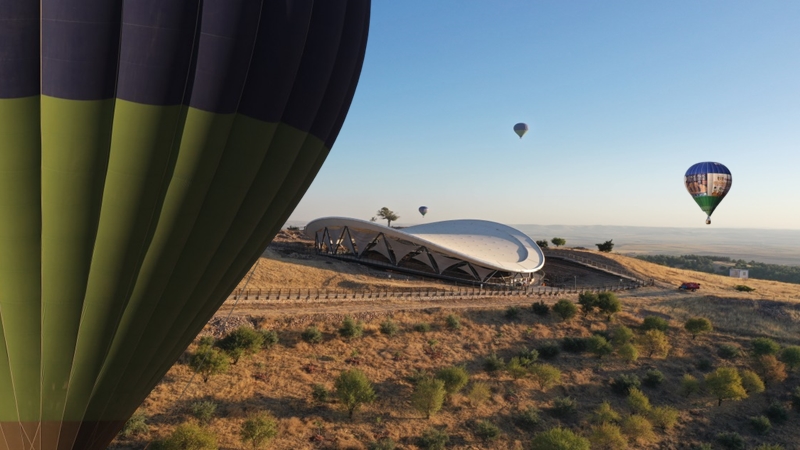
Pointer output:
x,y
621,97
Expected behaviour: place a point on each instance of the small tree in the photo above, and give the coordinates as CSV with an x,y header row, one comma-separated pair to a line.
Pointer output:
x,y
203,411
454,378
428,396
771,370
258,429
751,382
559,439
638,429
664,417
389,328
698,325
486,430
655,323
190,436
725,383
434,439
312,335
638,402
654,343
606,246
270,338
453,322
479,393
353,389
791,356
565,309
388,215
542,244
588,302
558,242
351,329
207,361
600,346
607,436
621,336
243,341
545,375
689,385
628,353
515,368
608,304
605,414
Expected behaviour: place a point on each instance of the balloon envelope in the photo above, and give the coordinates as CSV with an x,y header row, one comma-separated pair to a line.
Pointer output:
x,y
708,183
521,129
423,210
146,163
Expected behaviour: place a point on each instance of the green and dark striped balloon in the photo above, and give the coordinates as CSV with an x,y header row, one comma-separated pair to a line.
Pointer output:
x,y
149,152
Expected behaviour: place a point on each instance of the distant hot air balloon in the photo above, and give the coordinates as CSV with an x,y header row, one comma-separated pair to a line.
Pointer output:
x,y
521,129
423,210
708,183
149,151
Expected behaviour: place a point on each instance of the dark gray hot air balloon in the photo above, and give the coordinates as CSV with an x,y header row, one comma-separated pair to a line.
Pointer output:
x,y
521,129
149,151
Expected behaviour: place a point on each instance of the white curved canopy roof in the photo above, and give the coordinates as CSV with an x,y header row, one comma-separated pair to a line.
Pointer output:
x,y
488,244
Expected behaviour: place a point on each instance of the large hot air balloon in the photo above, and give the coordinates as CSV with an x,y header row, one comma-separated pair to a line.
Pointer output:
x,y
423,210
149,151
521,129
708,183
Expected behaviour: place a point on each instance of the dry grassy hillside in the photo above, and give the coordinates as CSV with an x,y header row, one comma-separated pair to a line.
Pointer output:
x,y
280,380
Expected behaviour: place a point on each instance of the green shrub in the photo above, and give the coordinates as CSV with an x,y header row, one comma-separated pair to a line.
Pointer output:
x,y
777,412
258,429
270,338
243,341
206,341
454,378
664,417
654,343
751,382
621,335
791,356
422,327
731,441
515,368
135,426
638,402
608,304
353,389
764,346
574,344
653,378
559,439
743,288
207,361
527,357
190,436
796,399
545,375
655,323
453,322
384,443
486,430
312,335
564,406
605,414
548,350
607,436
703,364
351,329
203,411
689,385
479,393
760,424
493,363
638,429
588,302
319,393
512,313
698,325
433,439
428,397
528,419
540,308
599,346
624,383
565,309
389,328
728,351
628,353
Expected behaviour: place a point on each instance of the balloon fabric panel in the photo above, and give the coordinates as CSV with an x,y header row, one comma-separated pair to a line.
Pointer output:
x,y
168,144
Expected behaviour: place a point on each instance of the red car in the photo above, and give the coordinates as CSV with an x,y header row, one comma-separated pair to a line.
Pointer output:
x,y
690,286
